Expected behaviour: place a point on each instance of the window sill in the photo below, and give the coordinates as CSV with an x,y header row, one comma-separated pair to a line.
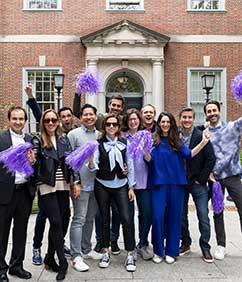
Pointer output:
x,y
42,10
206,11
125,11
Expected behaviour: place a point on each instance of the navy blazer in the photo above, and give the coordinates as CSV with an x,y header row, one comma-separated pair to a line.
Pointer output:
x,y
7,180
199,168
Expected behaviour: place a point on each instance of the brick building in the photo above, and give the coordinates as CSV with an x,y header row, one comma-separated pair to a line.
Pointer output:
x,y
151,51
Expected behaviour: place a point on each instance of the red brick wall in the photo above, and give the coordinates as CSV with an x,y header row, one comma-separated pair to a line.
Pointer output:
x,y
81,17
180,56
69,56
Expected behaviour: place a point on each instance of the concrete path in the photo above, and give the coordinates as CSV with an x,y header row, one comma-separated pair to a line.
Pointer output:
x,y
188,268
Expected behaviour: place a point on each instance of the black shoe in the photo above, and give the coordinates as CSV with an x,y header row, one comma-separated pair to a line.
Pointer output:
x,y
115,248
184,250
207,257
50,263
4,277
62,271
98,248
21,273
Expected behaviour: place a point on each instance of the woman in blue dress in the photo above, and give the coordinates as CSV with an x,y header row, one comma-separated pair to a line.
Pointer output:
x,y
167,177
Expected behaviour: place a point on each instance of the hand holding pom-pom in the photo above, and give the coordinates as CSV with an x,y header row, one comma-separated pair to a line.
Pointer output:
x,y
236,88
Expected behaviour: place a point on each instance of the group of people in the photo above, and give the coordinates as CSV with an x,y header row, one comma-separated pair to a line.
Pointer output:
x,y
184,160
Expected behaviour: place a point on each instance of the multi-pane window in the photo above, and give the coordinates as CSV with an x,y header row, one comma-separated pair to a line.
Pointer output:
x,y
125,5
197,96
43,90
42,4
206,5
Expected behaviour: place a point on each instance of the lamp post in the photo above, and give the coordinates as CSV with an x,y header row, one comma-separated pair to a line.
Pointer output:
x,y
208,84
59,84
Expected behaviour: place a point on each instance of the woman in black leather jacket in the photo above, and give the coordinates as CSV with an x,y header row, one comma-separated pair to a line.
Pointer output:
x,y
54,179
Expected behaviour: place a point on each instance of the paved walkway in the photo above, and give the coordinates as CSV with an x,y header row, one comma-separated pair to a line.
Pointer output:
x,y
188,268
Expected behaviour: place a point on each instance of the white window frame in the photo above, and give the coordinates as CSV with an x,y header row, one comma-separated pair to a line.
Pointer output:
x,y
223,101
26,6
31,124
141,5
221,7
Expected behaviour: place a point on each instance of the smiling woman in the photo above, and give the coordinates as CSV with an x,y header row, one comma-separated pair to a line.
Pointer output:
x,y
54,177
114,183
168,186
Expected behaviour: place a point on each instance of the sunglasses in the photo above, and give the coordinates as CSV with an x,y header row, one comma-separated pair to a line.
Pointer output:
x,y
48,120
114,124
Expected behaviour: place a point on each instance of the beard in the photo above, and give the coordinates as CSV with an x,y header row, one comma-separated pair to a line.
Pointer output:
x,y
210,118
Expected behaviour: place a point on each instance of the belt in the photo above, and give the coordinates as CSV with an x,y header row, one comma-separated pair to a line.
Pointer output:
x,y
20,186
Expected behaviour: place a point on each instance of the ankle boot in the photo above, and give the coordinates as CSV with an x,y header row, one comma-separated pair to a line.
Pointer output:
x,y
62,271
50,263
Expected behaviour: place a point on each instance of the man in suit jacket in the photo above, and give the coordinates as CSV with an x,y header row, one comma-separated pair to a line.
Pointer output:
x,y
16,197
198,171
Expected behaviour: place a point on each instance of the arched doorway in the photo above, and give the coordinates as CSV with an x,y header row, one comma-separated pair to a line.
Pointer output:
x,y
128,84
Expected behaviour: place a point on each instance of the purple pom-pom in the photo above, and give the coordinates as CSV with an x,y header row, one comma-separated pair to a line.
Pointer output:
x,y
86,83
78,157
236,87
217,198
142,139
15,159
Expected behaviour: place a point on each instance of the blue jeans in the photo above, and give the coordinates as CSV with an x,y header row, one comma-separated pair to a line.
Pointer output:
x,y
143,199
200,197
85,208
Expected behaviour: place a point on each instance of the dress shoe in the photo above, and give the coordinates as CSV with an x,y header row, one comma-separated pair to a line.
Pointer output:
x,y
62,271
50,263
21,273
3,277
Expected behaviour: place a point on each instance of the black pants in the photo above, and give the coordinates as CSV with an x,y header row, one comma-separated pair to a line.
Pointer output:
x,y
40,224
234,187
18,210
55,206
120,197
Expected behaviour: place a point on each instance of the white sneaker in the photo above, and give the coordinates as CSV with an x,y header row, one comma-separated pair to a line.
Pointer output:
x,y
219,253
79,265
169,259
130,263
157,259
105,260
92,255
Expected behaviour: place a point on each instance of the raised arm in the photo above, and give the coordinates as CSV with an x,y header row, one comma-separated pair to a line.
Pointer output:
x,y
32,103
76,105
201,145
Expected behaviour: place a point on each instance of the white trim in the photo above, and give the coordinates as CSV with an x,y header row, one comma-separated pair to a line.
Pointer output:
x,y
73,38
223,86
40,38
141,4
42,10
206,38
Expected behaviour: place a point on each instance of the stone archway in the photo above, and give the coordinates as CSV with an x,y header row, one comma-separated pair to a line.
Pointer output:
x,y
128,84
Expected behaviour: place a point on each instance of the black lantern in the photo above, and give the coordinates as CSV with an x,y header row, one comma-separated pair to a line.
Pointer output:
x,y
59,84
208,84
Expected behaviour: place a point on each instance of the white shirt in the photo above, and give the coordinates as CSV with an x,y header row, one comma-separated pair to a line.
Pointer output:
x,y
17,139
